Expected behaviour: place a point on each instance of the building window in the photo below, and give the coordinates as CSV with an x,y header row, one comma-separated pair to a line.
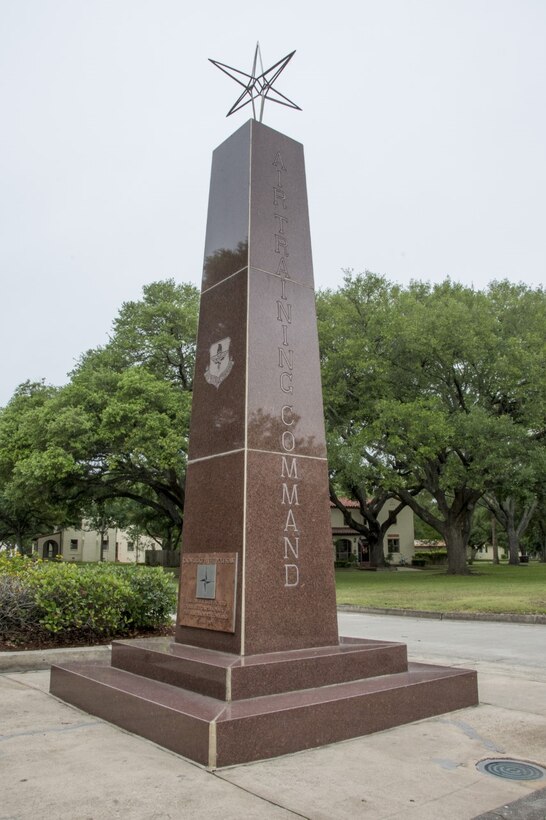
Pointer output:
x,y
130,546
393,543
73,543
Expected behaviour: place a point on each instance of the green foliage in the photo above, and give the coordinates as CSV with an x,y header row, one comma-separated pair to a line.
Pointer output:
x,y
118,430
89,602
431,556
153,596
24,509
78,599
437,388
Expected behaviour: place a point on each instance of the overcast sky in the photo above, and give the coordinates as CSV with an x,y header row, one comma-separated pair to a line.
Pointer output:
x,y
424,125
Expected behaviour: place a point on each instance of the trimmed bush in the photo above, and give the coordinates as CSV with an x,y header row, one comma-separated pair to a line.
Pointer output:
x,y
153,596
69,602
432,556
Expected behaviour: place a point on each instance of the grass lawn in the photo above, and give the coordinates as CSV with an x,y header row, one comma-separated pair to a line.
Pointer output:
x,y
520,589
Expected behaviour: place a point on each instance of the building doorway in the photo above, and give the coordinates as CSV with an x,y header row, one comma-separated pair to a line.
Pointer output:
x,y
51,549
343,549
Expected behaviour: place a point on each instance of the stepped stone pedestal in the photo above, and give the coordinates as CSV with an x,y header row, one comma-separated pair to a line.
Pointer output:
x,y
256,668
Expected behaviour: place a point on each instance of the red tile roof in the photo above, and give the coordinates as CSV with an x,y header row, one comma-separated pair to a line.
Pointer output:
x,y
344,531
347,502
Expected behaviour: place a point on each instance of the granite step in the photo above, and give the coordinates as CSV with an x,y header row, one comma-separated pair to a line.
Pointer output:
x,y
232,677
215,733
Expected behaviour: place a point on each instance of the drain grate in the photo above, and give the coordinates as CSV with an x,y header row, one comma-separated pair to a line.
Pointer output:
x,y
512,769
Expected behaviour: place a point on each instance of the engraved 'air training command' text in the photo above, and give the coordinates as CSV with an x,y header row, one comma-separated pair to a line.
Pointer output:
x,y
289,465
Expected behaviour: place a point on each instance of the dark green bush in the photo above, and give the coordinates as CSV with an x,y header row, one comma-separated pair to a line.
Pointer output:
x,y
438,556
73,602
153,598
418,562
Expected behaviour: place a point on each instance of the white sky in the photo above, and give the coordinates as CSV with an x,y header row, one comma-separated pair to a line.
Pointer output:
x,y
424,125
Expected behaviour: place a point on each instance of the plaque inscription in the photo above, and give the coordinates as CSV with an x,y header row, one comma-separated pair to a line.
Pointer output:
x,y
207,590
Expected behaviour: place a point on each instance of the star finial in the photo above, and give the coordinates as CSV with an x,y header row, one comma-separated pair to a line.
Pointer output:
x,y
256,86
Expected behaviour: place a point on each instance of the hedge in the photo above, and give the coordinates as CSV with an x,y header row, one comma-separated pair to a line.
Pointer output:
x,y
438,556
44,600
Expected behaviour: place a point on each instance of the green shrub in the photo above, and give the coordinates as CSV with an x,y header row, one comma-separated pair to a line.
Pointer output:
x,y
418,562
153,596
79,599
438,556
73,602
14,564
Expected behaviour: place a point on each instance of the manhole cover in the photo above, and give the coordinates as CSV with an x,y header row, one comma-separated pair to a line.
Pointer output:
x,y
512,769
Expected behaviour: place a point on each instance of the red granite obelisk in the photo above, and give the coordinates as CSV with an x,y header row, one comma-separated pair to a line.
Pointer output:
x,y
257,484
257,669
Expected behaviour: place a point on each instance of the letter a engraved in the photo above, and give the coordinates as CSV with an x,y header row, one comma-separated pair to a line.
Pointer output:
x,y
278,163
282,270
290,522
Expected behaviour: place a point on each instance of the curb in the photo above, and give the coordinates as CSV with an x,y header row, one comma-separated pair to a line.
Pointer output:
x,y
504,617
35,659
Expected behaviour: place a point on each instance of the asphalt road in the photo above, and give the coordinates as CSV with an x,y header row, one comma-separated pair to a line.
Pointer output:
x,y
506,644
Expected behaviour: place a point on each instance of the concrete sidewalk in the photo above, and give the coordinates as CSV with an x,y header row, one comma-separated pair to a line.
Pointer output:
x,y
57,762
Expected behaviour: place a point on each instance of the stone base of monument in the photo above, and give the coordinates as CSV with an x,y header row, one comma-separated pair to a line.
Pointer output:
x,y
220,709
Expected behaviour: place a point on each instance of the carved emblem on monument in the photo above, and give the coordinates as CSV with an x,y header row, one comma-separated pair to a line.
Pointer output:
x,y
220,364
206,581
208,585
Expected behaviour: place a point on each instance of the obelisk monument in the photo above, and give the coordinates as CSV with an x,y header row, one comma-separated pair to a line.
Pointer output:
x,y
256,668
257,507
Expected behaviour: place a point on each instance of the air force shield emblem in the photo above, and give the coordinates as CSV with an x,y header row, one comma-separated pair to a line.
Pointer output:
x,y
220,364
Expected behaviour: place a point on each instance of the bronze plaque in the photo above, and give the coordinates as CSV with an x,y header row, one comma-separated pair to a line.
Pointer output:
x,y
208,583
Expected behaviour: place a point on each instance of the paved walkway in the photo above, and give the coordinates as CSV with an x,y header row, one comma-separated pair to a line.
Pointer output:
x,y
57,762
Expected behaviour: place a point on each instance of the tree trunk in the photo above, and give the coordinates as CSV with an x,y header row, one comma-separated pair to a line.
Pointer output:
x,y
513,544
377,555
494,540
542,531
505,511
456,534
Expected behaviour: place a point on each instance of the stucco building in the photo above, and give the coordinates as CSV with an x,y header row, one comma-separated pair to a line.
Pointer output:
x,y
86,544
397,543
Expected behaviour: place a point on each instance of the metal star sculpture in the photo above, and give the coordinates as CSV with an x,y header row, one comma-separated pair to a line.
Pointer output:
x,y
260,86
